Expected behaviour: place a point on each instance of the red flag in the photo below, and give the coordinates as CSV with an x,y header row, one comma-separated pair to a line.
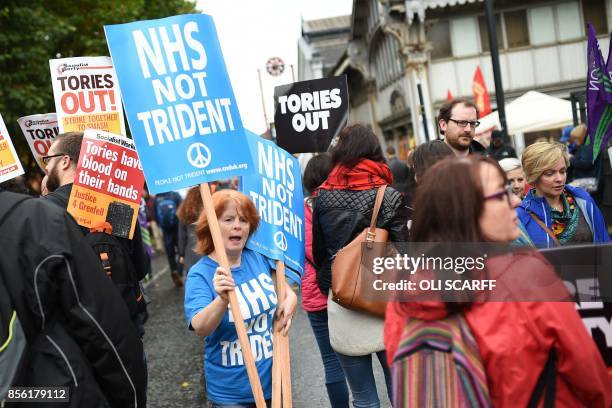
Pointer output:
x,y
449,95
481,96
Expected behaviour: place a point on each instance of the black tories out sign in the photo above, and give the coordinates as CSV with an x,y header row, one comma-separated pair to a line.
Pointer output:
x,y
308,114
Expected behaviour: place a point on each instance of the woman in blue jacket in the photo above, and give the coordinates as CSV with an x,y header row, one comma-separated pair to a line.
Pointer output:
x,y
554,213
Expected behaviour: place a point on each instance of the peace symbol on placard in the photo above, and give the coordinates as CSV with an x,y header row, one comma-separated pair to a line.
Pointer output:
x,y
280,241
199,155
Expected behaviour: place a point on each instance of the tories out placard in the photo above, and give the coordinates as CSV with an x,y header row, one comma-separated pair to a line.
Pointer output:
x,y
275,186
40,132
86,95
309,114
179,101
10,166
108,183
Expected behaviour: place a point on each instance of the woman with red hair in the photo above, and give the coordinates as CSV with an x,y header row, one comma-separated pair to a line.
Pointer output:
x,y
206,303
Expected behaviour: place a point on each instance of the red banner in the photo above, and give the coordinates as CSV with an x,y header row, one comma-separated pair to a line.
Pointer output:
x,y
481,96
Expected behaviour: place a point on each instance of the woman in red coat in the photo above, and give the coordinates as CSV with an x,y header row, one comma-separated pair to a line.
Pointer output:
x,y
514,336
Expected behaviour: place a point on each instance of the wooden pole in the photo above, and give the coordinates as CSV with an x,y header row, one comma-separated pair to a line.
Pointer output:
x,y
281,365
247,354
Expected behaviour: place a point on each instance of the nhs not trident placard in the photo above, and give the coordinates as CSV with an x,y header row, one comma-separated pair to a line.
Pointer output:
x,y
275,186
179,101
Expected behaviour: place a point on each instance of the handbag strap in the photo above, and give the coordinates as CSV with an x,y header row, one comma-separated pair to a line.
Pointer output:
x,y
545,228
380,194
546,384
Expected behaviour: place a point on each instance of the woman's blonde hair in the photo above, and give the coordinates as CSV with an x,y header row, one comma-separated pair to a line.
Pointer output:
x,y
541,156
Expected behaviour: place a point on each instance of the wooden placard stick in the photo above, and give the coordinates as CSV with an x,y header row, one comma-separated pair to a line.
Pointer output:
x,y
281,366
247,354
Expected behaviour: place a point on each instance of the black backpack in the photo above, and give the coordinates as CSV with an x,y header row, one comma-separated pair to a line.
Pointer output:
x,y
117,265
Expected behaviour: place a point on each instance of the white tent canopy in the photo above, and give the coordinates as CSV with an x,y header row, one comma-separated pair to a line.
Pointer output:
x,y
531,112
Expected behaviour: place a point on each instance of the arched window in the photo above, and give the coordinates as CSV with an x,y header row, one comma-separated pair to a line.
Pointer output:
x,y
386,60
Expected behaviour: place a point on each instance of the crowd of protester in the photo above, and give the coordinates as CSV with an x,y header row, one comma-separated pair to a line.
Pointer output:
x,y
448,191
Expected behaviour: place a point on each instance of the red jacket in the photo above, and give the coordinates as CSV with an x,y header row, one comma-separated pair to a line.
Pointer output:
x,y
312,298
515,338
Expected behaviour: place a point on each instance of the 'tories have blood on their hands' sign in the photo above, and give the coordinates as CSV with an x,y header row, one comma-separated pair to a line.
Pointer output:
x,y
179,101
275,186
10,166
86,95
309,114
108,183
40,132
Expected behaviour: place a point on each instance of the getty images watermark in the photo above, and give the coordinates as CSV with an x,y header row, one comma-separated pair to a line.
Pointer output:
x,y
455,272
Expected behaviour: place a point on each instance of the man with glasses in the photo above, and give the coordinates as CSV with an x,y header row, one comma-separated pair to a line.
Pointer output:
x,y
458,120
61,164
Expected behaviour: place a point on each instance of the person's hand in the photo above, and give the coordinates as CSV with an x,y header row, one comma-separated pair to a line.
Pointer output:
x,y
286,310
223,283
182,260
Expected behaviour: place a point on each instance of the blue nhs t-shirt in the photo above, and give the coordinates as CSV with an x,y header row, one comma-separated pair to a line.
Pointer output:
x,y
225,373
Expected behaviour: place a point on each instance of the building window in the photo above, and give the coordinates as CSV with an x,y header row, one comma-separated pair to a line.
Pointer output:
x,y
464,36
438,35
568,21
398,103
517,33
484,33
595,12
542,24
387,60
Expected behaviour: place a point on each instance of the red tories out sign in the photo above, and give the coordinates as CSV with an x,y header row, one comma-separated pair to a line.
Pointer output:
x,y
108,183
40,132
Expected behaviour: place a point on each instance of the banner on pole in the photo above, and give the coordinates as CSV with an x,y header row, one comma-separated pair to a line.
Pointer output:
x,y
40,132
309,114
10,166
179,101
108,183
86,95
275,186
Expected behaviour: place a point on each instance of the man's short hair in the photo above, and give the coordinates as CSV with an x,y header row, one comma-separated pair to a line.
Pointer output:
x,y
447,108
390,150
70,143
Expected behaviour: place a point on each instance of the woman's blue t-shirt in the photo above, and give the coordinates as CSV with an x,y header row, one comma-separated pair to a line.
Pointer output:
x,y
225,373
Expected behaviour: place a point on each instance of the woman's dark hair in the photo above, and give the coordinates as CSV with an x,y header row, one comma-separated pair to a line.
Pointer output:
x,y
449,201
316,172
190,209
448,205
355,143
428,154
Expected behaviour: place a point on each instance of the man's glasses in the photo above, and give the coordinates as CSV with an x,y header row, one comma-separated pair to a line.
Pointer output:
x,y
47,159
506,192
464,123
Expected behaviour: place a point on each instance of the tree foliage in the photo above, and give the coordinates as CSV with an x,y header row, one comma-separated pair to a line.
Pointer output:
x,y
35,31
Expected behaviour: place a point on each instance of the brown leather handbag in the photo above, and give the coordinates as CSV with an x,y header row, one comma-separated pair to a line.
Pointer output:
x,y
348,269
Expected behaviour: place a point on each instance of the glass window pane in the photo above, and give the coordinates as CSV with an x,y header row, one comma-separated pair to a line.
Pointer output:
x,y
517,32
542,21
439,36
595,12
484,33
568,21
465,36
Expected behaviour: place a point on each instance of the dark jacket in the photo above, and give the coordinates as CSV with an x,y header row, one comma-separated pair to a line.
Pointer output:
x,y
582,165
134,248
77,328
502,152
340,215
403,178
187,240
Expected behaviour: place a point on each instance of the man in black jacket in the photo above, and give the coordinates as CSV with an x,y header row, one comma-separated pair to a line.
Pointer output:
x,y
458,120
77,329
61,162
